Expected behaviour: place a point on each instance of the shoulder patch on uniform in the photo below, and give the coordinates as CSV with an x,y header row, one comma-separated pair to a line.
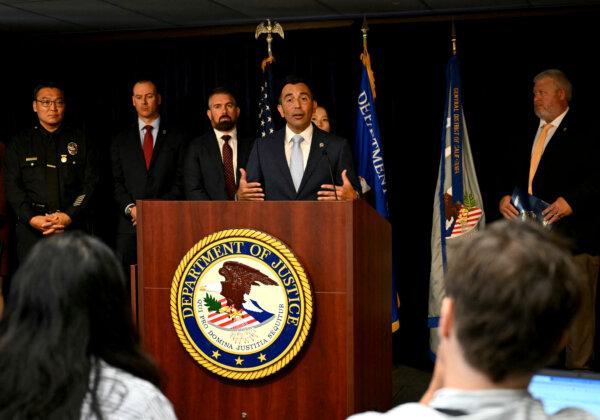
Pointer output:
x,y
79,200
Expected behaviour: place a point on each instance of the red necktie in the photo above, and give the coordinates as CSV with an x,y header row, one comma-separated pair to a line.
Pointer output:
x,y
148,145
228,167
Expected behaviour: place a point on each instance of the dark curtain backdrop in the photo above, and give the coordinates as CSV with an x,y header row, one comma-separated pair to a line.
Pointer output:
x,y
499,56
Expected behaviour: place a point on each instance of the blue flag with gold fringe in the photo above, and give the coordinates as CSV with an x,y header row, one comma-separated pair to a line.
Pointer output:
x,y
369,156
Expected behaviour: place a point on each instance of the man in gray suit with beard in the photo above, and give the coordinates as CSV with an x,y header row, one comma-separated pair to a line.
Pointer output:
x,y
212,162
300,161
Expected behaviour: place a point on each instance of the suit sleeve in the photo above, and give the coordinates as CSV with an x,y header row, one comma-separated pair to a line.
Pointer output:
x,y
122,196
253,167
345,161
89,182
193,180
13,181
584,194
176,192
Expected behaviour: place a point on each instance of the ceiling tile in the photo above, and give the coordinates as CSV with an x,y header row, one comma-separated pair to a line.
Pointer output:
x,y
92,14
184,12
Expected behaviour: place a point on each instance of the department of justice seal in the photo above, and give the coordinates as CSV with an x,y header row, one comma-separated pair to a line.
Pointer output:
x,y
241,304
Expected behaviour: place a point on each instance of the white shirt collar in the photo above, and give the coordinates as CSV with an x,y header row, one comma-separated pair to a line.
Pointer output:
x,y
306,134
232,133
155,124
555,122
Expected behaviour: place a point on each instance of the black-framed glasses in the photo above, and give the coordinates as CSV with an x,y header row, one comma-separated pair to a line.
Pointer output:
x,y
47,102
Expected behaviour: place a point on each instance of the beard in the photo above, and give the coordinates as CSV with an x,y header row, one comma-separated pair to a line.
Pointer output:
x,y
225,125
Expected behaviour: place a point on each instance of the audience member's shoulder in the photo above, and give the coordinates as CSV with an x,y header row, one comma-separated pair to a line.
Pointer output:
x,y
123,396
572,414
404,411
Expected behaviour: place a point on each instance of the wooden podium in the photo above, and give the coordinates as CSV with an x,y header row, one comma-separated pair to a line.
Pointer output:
x,y
345,365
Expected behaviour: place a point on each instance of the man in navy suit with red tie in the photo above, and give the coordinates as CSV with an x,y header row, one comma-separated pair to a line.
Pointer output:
x,y
212,162
146,163
300,161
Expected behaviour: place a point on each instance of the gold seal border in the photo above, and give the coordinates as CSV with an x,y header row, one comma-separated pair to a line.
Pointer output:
x,y
303,281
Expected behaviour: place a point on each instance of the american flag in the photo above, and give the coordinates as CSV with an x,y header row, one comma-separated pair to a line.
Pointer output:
x,y
265,103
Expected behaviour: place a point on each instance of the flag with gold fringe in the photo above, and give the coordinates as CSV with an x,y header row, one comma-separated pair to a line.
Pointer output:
x,y
369,154
457,209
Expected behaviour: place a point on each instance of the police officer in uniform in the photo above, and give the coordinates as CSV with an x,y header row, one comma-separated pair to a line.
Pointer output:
x,y
50,173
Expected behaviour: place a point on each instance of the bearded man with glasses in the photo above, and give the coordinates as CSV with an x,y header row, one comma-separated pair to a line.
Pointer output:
x,y
51,173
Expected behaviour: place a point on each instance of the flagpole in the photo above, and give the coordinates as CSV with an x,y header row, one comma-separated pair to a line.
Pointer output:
x,y
364,29
265,103
365,58
453,37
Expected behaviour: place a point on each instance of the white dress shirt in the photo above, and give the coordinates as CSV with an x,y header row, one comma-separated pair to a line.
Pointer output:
x,y
155,124
305,145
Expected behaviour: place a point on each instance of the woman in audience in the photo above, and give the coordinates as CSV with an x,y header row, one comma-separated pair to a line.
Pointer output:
x,y
68,348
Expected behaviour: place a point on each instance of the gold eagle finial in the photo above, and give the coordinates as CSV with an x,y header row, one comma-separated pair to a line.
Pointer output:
x,y
269,29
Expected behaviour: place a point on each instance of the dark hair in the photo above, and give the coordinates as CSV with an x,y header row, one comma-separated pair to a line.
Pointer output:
x,y
67,309
292,79
221,90
516,290
48,84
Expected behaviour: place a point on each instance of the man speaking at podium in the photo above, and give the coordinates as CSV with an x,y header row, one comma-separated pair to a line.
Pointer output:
x,y
298,162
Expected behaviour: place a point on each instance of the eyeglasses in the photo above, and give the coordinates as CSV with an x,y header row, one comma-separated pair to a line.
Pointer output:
x,y
47,102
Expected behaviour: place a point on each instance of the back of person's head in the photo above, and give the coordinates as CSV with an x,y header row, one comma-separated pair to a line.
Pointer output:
x,y
515,290
67,308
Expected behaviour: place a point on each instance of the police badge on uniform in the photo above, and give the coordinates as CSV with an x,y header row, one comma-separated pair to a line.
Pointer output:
x,y
72,148
241,304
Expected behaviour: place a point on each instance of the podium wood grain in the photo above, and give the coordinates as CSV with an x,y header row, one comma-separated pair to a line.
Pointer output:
x,y
345,365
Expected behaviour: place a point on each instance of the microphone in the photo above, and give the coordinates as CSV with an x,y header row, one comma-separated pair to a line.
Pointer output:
x,y
324,153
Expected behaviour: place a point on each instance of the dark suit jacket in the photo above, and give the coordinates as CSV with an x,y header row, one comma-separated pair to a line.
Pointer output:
x,y
132,181
267,164
203,175
568,169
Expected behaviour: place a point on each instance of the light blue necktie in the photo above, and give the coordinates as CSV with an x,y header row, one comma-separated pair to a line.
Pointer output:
x,y
297,161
